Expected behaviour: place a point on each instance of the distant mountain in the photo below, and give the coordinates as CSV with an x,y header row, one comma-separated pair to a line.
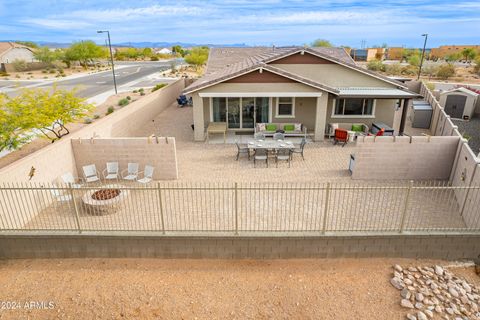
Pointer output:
x,y
51,44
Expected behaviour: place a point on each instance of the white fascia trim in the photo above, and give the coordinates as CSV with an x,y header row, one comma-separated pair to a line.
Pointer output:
x,y
259,94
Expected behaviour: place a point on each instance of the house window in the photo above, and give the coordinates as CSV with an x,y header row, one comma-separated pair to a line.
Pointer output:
x,y
355,107
285,107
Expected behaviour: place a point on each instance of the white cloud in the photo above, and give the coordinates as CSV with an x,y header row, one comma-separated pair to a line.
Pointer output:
x,y
57,24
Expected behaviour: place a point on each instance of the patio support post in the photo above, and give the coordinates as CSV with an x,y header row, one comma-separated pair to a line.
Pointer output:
x,y
236,208
325,209
75,207
160,202
405,207
321,117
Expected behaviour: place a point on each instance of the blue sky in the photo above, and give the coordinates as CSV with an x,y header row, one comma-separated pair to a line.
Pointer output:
x,y
259,22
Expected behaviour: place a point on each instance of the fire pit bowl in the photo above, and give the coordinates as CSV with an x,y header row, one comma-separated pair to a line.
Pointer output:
x,y
104,201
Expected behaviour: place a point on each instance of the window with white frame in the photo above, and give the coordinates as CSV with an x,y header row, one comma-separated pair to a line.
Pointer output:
x,y
285,107
354,107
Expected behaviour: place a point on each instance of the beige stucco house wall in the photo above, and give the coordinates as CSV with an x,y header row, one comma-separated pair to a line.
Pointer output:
x,y
17,54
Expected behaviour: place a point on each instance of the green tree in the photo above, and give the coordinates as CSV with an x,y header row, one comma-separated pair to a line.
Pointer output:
x,y
446,71
197,56
178,50
414,60
321,43
44,54
147,52
453,57
469,54
476,69
12,135
85,52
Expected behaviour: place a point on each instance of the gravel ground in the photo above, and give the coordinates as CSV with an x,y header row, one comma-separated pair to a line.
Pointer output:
x,y
206,289
472,128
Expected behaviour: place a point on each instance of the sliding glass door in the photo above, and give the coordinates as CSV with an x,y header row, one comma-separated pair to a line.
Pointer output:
x,y
240,113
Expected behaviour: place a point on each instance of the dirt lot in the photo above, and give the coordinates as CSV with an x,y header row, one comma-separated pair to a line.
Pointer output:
x,y
206,289
52,73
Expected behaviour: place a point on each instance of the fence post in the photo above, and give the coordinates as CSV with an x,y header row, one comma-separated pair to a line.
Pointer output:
x,y
160,202
325,209
75,208
236,208
405,207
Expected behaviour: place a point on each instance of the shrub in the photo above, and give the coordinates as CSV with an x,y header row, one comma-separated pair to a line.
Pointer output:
x,y
134,91
129,98
476,69
51,71
410,70
96,116
393,69
154,58
376,65
44,71
17,76
446,71
123,102
87,120
20,65
159,86
4,74
109,110
141,90
142,93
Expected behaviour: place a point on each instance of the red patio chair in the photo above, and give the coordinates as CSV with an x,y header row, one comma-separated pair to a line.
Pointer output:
x,y
379,133
341,135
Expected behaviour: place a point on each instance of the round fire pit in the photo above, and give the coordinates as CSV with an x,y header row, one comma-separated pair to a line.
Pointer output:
x,y
104,201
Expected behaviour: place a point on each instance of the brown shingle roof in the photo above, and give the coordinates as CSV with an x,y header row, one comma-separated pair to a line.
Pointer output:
x,y
6,46
227,63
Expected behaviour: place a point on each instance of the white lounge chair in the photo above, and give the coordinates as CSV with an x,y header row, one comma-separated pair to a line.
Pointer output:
x,y
59,196
69,179
90,173
111,172
131,173
147,175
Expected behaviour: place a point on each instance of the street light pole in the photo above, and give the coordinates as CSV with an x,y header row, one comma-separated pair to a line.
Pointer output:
x,y
423,55
111,58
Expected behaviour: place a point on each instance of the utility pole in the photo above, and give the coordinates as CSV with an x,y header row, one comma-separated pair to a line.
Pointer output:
x,y
111,58
423,55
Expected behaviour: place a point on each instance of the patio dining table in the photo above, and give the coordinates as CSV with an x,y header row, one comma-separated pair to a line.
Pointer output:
x,y
270,144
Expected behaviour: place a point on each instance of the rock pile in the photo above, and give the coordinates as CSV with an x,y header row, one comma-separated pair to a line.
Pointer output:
x,y
435,293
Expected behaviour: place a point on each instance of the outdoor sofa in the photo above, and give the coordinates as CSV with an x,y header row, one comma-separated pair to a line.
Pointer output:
x,y
358,128
289,129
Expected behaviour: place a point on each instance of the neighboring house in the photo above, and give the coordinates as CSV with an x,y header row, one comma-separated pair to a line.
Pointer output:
x,y
368,54
312,86
11,51
163,51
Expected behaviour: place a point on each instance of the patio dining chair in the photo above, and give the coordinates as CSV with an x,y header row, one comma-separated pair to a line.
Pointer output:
x,y
147,174
131,173
283,155
59,196
341,135
90,173
111,171
69,179
300,149
278,136
261,155
242,149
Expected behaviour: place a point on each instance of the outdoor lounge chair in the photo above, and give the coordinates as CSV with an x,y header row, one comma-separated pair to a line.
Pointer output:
x,y
242,149
90,173
183,101
260,154
341,135
69,179
147,174
278,136
111,172
283,155
300,149
59,196
131,173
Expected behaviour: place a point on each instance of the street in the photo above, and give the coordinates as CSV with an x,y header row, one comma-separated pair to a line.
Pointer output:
x,y
90,85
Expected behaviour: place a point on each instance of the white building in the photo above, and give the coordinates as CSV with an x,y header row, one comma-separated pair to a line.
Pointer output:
x,y
163,51
11,51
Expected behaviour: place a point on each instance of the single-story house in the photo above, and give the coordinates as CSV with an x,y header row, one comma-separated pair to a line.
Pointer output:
x,y
163,51
244,87
11,51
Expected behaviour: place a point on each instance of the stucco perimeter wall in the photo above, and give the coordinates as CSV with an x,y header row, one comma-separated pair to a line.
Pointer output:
x,y
449,247
158,152
401,157
54,160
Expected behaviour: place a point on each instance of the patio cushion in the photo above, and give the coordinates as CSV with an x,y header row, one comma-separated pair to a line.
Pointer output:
x,y
357,127
298,126
289,127
271,127
261,126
